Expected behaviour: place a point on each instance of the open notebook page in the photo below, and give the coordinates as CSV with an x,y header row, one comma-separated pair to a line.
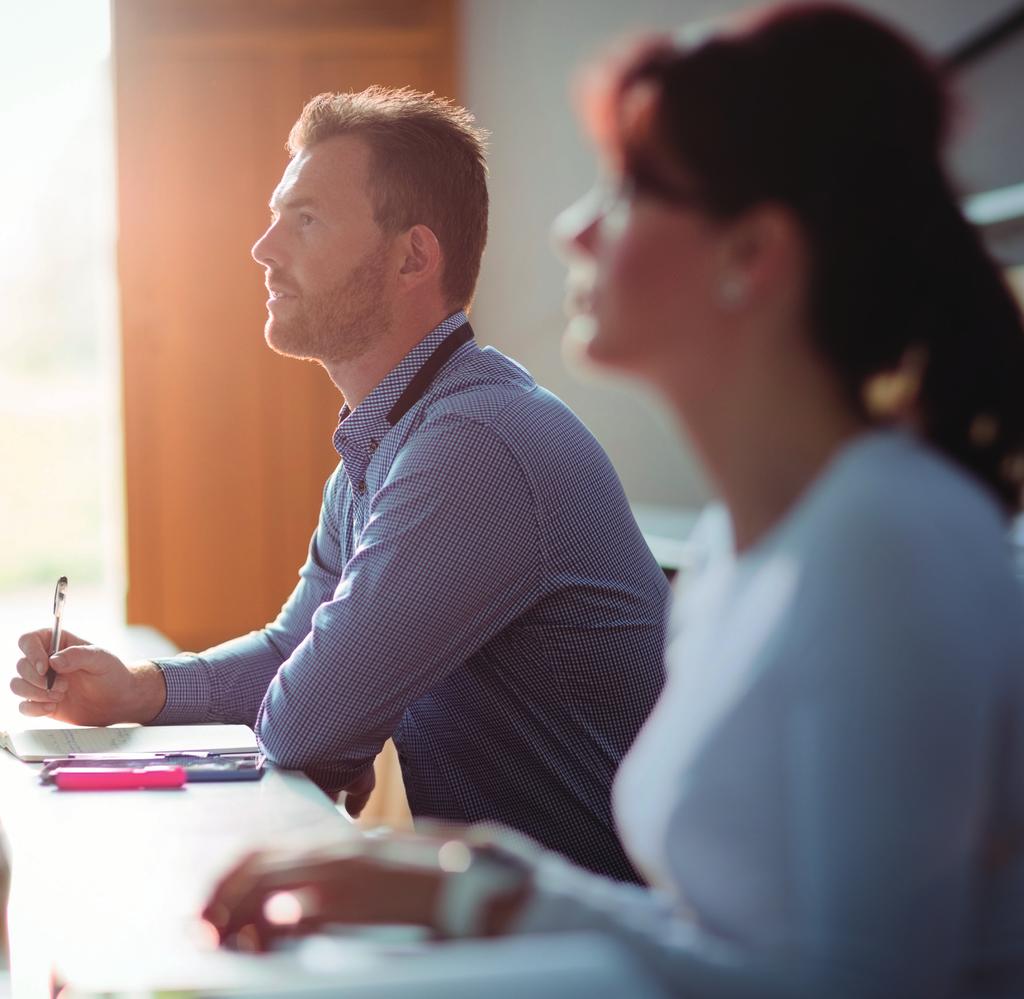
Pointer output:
x,y
45,743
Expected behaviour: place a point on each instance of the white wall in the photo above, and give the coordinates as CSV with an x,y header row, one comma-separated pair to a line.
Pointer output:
x,y
518,58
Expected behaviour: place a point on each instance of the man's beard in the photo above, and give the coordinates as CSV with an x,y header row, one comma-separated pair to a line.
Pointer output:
x,y
341,323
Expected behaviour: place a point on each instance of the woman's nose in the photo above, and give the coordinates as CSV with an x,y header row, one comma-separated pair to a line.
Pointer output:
x,y
574,230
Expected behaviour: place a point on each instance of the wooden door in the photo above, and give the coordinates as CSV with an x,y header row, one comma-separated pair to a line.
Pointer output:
x,y
227,445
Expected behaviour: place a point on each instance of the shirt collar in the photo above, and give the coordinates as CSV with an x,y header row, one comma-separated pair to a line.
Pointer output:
x,y
360,430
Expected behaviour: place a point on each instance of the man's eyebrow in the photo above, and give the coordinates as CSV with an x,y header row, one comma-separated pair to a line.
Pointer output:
x,y
294,204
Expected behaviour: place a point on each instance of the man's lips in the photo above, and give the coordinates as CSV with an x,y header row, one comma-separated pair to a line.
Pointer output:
x,y
279,294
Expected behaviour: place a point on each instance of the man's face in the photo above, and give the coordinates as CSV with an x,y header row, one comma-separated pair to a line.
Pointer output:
x,y
326,258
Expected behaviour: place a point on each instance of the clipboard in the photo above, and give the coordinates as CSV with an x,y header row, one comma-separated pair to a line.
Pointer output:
x,y
198,767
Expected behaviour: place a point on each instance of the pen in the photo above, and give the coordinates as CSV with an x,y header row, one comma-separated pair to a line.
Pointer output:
x,y
108,779
59,596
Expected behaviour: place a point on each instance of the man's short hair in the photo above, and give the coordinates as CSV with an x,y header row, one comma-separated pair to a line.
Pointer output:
x,y
427,167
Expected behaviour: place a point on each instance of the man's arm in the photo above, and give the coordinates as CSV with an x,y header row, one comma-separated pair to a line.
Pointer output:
x,y
227,682
223,684
449,557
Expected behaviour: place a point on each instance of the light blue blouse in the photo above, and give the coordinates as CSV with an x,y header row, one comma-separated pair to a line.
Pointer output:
x,y
829,796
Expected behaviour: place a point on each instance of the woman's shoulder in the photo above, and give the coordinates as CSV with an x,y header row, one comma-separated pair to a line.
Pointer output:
x,y
897,532
891,487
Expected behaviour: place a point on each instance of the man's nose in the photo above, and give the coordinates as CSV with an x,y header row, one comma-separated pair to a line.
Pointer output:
x,y
263,250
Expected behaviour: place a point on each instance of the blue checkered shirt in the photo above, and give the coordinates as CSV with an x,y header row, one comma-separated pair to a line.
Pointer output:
x,y
477,589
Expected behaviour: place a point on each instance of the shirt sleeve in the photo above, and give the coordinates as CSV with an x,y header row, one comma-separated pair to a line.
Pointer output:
x,y
673,950
227,683
445,561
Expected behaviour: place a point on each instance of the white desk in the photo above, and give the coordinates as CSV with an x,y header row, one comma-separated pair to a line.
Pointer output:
x,y
106,887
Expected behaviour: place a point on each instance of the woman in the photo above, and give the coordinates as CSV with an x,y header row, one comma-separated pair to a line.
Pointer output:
x,y
829,797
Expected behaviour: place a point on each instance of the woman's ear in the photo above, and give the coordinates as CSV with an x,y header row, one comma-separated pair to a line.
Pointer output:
x,y
761,252
421,257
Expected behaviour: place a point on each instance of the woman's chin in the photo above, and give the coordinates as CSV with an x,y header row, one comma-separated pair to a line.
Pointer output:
x,y
579,331
578,346
586,350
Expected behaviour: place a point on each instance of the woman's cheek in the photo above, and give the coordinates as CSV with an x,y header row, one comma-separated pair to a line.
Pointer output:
x,y
618,320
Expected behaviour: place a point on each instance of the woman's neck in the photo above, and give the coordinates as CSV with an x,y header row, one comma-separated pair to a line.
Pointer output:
x,y
765,441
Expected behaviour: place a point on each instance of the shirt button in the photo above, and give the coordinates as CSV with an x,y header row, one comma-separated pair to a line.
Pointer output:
x,y
361,486
373,445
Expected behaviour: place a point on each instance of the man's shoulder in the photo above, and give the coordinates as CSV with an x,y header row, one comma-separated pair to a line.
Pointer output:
x,y
476,378
479,387
491,389
530,420
486,417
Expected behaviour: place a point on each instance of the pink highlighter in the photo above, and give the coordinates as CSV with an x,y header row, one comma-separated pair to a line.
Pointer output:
x,y
112,779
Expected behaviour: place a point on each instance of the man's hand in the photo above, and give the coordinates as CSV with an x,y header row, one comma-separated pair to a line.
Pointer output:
x,y
357,794
93,686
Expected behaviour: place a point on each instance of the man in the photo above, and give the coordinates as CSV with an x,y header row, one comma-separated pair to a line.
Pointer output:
x,y
476,587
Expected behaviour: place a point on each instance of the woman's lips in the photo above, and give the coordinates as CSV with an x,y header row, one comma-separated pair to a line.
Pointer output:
x,y
579,300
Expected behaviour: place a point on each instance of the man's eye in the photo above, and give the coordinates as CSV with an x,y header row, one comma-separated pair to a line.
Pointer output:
x,y
305,219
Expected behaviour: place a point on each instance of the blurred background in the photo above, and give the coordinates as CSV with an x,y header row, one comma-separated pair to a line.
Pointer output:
x,y
151,447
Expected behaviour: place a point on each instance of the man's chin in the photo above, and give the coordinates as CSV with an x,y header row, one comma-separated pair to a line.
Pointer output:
x,y
286,342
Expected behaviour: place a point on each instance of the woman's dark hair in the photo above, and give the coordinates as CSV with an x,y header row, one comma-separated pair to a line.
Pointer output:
x,y
830,113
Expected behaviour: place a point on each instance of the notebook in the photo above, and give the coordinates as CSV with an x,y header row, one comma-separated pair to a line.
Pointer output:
x,y
35,744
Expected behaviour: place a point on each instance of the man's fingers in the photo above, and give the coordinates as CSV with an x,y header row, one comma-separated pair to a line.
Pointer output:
x,y
68,639
358,792
355,803
28,672
35,646
81,658
38,641
36,708
34,641
30,692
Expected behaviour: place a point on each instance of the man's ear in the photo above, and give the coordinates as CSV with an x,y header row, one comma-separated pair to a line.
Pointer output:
x,y
421,257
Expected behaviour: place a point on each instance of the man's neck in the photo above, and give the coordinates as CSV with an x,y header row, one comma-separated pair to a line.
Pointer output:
x,y
357,377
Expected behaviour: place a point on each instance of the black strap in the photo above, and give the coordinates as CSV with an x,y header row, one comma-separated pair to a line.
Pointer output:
x,y
422,379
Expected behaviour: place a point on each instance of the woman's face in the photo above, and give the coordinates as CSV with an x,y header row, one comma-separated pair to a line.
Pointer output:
x,y
643,274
